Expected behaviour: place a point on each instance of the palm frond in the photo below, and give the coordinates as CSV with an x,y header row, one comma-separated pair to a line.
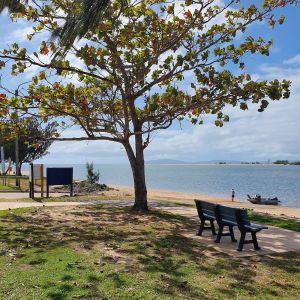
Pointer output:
x,y
13,6
78,25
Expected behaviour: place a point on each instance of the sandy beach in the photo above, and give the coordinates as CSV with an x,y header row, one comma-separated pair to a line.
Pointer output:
x,y
126,192
188,198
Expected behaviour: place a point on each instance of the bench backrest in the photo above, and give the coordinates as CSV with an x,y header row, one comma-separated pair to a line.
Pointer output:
x,y
226,213
242,217
206,208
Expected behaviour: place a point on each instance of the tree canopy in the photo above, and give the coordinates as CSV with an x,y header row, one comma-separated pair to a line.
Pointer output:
x,y
142,66
30,145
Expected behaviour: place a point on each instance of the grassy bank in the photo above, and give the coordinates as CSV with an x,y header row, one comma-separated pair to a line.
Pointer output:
x,y
110,253
273,221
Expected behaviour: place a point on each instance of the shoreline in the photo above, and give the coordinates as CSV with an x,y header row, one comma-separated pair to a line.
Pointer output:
x,y
120,192
188,198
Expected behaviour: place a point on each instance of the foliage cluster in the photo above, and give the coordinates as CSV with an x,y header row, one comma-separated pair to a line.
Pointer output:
x,y
92,175
31,146
286,162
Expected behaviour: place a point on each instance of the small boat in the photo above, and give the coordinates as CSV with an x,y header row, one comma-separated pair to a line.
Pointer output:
x,y
257,199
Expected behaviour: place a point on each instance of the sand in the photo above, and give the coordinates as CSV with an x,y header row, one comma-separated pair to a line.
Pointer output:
x,y
125,192
188,198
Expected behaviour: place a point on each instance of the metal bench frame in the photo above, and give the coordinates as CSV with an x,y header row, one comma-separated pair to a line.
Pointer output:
x,y
206,212
244,227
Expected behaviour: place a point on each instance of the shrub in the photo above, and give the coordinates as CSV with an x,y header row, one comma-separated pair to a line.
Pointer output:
x,y
92,176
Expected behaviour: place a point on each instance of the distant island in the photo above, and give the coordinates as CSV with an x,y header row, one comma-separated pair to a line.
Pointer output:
x,y
286,162
168,161
210,162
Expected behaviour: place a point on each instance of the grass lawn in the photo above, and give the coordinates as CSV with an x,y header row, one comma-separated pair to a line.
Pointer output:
x,y
11,182
110,253
273,221
7,188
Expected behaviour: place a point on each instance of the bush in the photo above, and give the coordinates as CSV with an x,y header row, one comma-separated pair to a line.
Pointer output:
x,y
92,176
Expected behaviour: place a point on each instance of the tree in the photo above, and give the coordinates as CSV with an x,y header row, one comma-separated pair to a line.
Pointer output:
x,y
145,65
77,23
30,145
13,6
281,162
92,176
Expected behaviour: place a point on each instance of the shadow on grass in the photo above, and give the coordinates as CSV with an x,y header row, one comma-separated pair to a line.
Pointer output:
x,y
153,243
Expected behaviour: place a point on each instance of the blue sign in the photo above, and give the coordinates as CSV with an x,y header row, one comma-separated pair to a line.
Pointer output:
x,y
60,176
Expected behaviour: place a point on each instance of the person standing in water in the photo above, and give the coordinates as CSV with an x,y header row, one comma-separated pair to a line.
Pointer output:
x,y
232,195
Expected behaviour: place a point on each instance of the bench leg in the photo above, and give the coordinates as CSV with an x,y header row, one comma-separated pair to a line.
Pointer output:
x,y
218,239
255,243
232,234
201,227
212,224
242,240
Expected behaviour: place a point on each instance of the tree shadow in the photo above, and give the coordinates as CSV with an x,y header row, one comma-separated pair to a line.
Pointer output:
x,y
151,243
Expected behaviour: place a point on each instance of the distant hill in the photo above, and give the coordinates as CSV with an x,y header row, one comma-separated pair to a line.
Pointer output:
x,y
181,162
165,162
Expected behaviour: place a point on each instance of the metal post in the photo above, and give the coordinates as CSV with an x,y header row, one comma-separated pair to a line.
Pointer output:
x,y
31,182
17,149
2,160
42,180
71,190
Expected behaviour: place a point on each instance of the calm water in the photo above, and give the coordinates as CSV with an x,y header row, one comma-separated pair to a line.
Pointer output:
x,y
214,180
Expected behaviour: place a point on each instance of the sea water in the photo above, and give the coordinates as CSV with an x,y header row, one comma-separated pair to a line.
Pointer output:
x,y
213,180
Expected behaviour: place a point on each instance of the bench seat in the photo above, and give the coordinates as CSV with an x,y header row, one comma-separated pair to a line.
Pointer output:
x,y
255,227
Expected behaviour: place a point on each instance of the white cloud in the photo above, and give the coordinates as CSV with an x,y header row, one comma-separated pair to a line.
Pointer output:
x,y
20,34
293,60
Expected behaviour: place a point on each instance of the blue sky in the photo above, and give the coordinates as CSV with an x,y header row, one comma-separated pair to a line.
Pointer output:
x,y
250,136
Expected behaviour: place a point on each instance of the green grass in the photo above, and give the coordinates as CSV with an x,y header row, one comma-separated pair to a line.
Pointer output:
x,y
273,221
111,253
7,188
11,182
82,198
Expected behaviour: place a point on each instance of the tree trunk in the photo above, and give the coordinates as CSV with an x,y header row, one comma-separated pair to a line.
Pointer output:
x,y
137,164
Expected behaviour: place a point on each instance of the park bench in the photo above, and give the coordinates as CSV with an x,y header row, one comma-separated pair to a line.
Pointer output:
x,y
225,216
245,226
228,216
206,212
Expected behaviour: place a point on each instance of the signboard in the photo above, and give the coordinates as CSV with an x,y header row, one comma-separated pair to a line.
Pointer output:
x,y
60,176
36,172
